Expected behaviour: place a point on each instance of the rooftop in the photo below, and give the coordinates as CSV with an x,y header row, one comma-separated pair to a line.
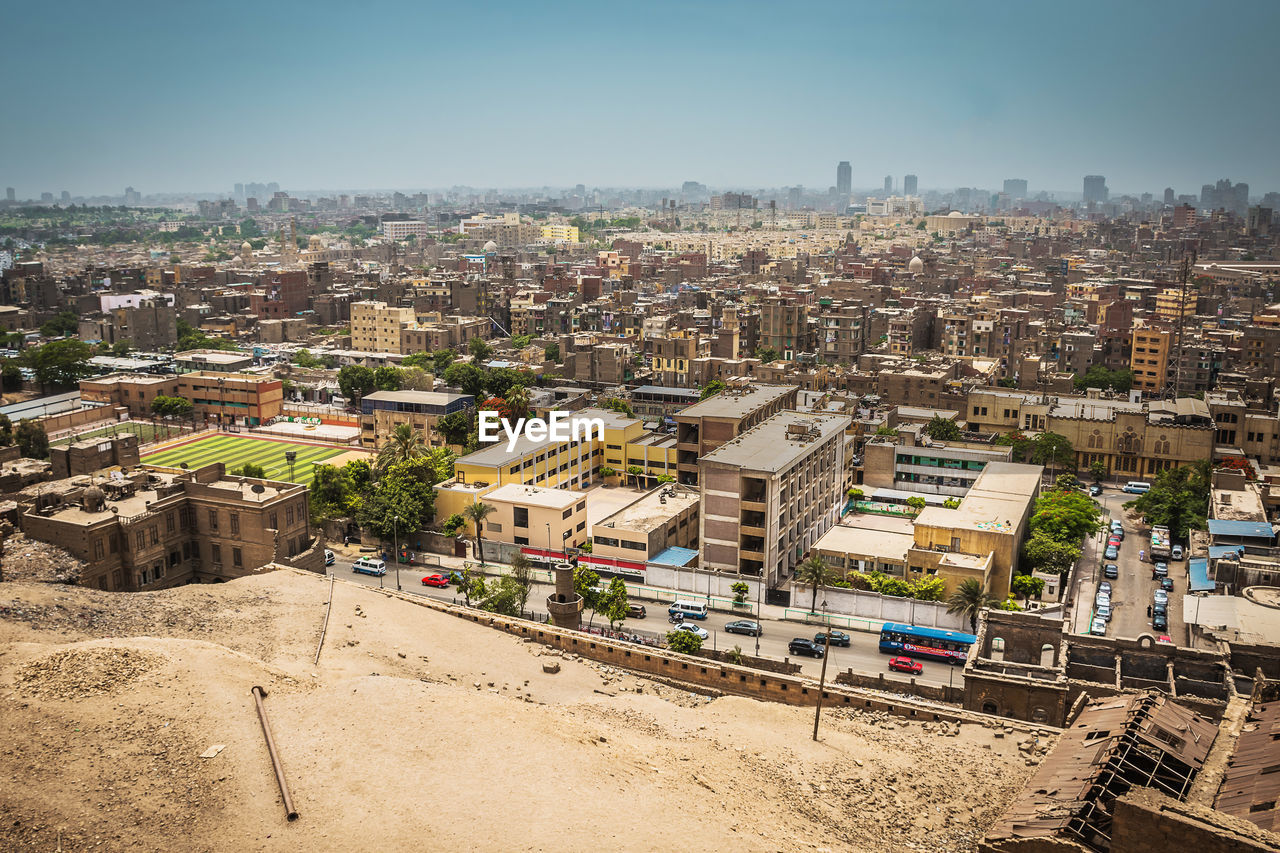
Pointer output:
x,y
214,356
773,445
651,510
870,536
996,503
737,402
429,398
525,495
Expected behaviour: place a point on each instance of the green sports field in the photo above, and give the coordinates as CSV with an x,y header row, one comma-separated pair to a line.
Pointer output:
x,y
234,451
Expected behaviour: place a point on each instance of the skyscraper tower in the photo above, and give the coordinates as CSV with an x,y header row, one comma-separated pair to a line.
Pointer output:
x,y
1015,187
10,194
1095,188
844,178
909,184
888,185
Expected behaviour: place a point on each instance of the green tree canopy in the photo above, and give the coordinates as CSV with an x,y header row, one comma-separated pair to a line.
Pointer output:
x,y
1027,586
942,429
814,572
479,349
388,378
1178,499
970,599
683,642
355,380
715,386
1066,516
467,377
33,442
59,364
551,352
443,358
1043,553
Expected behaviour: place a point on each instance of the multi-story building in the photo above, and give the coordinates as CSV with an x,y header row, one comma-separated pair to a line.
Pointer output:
x,y
915,464
560,233
159,527
671,360
382,411
375,326
134,391
398,229
1171,302
1149,359
706,425
548,520
842,331
784,328
660,526
226,398
770,493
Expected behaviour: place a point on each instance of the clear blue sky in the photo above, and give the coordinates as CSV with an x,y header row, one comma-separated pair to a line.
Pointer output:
x,y
196,96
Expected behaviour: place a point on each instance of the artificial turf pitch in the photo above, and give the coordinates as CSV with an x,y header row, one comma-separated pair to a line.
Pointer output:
x,y
234,451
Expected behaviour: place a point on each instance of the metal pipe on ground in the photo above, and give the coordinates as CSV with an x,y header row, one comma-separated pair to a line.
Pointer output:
x,y
290,812
325,627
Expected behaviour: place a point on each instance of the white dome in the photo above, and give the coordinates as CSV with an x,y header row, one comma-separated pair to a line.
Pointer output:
x,y
915,265
490,247
955,213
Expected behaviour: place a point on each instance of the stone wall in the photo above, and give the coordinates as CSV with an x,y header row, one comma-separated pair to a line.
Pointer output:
x,y
948,693
1146,822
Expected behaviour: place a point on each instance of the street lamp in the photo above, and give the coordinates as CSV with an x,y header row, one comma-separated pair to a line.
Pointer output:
x,y
759,613
548,543
822,679
395,533
564,544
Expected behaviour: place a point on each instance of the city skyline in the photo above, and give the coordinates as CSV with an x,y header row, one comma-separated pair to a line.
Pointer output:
x,y
407,106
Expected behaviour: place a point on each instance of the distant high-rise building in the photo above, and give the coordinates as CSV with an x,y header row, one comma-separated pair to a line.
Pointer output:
x,y
1095,189
1015,187
844,178
1169,197
46,198
240,192
132,196
66,197
909,184
888,184
793,197
1225,195
10,194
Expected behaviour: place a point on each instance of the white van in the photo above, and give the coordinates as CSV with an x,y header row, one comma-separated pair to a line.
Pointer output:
x,y
369,566
1137,487
690,609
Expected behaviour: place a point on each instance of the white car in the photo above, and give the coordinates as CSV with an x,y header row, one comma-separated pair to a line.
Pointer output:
x,y
1099,627
1102,600
1177,552
329,558
693,629
1162,597
1103,612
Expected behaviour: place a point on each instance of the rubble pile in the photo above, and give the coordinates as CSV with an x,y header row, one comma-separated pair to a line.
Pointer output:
x,y
79,672
31,560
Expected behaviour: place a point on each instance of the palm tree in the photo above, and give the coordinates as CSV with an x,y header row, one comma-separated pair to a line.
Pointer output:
x,y
971,599
477,512
635,471
404,445
815,572
518,401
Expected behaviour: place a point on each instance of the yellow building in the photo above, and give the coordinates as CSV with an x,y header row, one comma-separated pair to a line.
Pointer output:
x,y
1149,358
549,520
560,233
1170,299
375,326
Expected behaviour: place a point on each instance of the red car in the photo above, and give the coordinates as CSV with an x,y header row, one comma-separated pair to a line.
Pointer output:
x,y
435,580
906,665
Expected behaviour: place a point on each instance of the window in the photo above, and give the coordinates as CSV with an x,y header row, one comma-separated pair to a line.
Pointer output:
x,y
634,546
604,540
581,506
169,522
581,526
237,559
274,521
215,554
97,549
155,534
520,516
514,469
288,515
141,539
522,540
213,520
235,524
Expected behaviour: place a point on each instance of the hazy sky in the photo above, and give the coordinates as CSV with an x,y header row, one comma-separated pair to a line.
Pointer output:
x,y
171,96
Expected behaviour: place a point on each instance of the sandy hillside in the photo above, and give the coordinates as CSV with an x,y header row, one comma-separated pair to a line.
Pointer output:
x,y
419,731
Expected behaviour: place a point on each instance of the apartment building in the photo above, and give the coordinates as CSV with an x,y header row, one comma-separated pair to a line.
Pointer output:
x,y
227,398
453,333
159,527
547,521
212,361
375,326
398,229
769,493
560,233
784,328
133,391
660,527
914,464
671,359
706,425
842,331
382,411
1149,358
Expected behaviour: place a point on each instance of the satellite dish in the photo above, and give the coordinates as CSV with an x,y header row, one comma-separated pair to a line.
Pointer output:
x,y
257,488
182,465
115,509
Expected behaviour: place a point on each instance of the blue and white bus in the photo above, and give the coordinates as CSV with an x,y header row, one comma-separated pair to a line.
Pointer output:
x,y
951,646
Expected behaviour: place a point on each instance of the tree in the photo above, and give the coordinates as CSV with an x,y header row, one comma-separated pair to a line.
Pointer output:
x,y
252,469
522,575
814,572
6,430
928,588
917,503
171,407
453,524
617,404
455,426
11,376
330,493
1049,556
1027,587
402,502
1066,516
1178,499
1009,604
421,360
63,323
468,377
388,378
1020,443
740,590
476,513
715,386
886,432
951,503
521,341
518,401
606,471
766,354
942,429
613,605
635,471
1098,470
404,444
442,359
1053,449
501,380
469,583
586,583
59,364
683,642
33,443
1066,481
969,600
551,352
355,380
895,587
479,349
304,359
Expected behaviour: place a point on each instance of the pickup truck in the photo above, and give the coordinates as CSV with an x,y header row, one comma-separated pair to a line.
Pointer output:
x,y
1159,543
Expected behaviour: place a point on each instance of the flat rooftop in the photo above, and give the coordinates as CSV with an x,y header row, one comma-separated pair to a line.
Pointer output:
x,y
996,503
737,402
429,398
773,446
650,512
871,541
214,356
525,495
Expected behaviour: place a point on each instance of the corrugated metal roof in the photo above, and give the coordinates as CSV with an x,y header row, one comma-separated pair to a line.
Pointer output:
x,y
1198,571
1242,529
1252,780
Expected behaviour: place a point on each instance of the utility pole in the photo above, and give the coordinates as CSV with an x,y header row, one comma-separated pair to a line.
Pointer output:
x,y
822,679
1188,263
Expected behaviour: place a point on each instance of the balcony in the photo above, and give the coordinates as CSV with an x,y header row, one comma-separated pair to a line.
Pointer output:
x,y
754,491
752,521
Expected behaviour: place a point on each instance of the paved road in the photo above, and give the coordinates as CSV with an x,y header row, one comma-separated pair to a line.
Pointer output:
x,y
1133,592
863,655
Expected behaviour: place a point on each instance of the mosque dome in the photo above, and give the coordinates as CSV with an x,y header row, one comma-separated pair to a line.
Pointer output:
x,y
490,247
915,265
245,247
314,243
955,213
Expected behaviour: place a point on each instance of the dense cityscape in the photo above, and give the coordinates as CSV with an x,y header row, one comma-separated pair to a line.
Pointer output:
x,y
880,514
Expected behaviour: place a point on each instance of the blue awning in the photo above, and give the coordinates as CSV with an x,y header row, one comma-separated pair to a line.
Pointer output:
x,y
674,556
1241,529
1198,571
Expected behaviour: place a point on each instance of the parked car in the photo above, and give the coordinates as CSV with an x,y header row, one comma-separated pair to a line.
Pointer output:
x,y
1111,570
801,646
1103,611
1162,597
692,629
435,580
1117,529
1114,540
1166,639
1102,598
838,638
907,665
329,558
1177,552
1166,583
1095,490
1098,627
1104,587
636,611
744,626
1160,621
1111,553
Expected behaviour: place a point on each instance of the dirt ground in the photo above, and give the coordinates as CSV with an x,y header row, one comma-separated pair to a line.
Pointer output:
x,y
419,731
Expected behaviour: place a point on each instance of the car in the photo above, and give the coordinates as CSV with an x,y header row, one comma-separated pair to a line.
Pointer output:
x,y
744,626
1159,570
1117,530
1098,627
801,646
1111,570
1166,583
1162,597
1104,587
1160,621
1166,639
1102,597
1114,540
435,580
1103,611
1160,607
1177,552
901,664
1095,490
329,557
369,566
636,611
696,630
1111,553
838,638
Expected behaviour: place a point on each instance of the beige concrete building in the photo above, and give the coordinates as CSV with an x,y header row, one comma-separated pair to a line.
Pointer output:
x,y
382,411
375,326
542,518
666,517
772,492
704,426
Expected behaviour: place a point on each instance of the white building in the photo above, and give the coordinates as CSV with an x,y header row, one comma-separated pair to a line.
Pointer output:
x,y
396,230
